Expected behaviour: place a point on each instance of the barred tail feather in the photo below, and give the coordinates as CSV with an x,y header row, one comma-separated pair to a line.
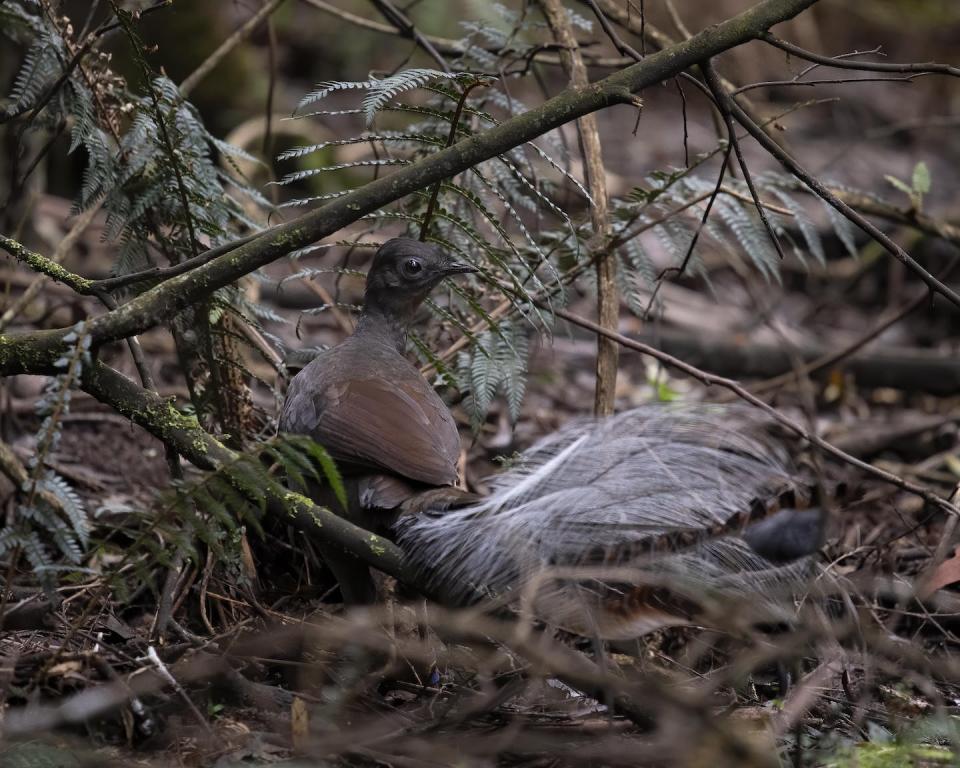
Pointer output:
x,y
617,526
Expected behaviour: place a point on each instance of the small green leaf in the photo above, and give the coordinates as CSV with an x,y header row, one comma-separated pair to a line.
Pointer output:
x,y
952,463
327,466
921,178
902,186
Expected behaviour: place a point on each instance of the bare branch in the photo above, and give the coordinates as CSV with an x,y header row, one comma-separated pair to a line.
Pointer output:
x,y
408,29
863,66
608,301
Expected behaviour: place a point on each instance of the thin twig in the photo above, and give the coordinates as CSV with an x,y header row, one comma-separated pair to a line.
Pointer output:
x,y
167,594
451,138
165,273
722,99
157,662
408,29
696,235
834,81
863,66
788,162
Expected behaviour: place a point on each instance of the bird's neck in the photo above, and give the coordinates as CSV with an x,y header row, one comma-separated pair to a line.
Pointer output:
x,y
384,326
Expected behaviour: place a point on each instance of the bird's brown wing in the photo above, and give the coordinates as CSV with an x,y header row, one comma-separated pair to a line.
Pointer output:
x,y
399,425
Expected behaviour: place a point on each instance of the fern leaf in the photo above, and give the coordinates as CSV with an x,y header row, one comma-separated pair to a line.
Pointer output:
x,y
327,467
842,228
300,175
72,504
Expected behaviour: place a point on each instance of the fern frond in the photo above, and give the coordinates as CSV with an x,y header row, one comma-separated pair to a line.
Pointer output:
x,y
750,234
379,91
384,137
496,362
842,228
36,554
300,175
71,503
40,67
328,469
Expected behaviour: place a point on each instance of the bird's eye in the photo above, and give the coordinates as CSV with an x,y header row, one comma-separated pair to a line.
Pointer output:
x,y
412,267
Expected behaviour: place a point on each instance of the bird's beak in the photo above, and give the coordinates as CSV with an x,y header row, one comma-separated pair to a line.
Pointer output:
x,y
458,268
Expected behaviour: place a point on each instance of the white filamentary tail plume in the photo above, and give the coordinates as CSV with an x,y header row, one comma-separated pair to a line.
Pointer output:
x,y
606,493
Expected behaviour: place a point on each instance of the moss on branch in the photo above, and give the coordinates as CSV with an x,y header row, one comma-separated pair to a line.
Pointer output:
x,y
183,432
33,352
45,266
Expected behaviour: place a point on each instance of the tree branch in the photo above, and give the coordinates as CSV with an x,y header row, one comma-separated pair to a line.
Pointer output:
x,y
863,66
184,433
407,28
608,300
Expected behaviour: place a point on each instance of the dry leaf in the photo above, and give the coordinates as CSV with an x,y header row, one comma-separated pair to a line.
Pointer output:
x,y
65,668
945,574
299,724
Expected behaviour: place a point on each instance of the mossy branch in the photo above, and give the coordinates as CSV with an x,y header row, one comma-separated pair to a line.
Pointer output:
x,y
163,420
39,263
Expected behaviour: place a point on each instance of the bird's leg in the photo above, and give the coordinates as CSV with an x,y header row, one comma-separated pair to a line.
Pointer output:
x,y
352,574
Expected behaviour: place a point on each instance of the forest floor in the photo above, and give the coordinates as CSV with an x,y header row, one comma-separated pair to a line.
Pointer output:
x,y
243,690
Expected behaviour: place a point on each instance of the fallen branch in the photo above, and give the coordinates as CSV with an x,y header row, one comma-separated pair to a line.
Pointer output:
x,y
905,369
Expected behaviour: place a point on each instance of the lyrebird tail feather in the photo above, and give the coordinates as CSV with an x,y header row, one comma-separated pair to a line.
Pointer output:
x,y
616,527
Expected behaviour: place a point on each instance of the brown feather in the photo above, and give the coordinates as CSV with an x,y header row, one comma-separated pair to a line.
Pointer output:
x,y
367,405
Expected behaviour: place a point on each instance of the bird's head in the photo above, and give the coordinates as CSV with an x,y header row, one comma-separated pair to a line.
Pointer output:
x,y
403,273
